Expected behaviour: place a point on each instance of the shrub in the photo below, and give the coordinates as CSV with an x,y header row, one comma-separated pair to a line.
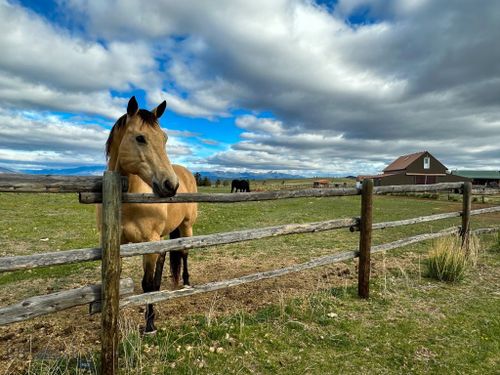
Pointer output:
x,y
449,260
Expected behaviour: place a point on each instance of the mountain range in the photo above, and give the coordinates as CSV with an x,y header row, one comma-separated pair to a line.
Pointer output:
x,y
212,175
7,170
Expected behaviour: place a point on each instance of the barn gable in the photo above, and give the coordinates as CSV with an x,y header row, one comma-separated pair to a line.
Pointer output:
x,y
420,162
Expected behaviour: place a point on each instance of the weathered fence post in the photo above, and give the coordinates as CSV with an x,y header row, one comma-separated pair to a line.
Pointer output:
x,y
111,268
365,239
466,208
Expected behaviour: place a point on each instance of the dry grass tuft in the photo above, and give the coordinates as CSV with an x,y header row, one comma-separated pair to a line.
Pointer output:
x,y
449,259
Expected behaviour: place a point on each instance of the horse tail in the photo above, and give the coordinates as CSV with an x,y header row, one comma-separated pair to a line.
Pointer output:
x,y
175,259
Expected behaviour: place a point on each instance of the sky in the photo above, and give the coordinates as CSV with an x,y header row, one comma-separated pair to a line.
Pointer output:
x,y
313,88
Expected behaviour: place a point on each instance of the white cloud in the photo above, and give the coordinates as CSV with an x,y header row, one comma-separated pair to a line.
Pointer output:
x,y
182,106
15,92
46,66
337,96
41,52
51,141
265,125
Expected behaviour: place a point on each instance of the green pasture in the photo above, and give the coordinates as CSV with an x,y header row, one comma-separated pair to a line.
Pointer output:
x,y
410,324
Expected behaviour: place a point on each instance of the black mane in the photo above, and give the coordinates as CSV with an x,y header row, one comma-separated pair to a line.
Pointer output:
x,y
146,116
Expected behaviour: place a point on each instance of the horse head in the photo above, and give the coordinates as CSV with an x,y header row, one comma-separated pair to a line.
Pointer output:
x,y
137,145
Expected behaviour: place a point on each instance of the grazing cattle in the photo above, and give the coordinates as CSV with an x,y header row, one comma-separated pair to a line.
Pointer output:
x,y
240,185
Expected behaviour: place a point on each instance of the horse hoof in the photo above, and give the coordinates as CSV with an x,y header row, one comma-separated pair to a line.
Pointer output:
x,y
187,287
150,333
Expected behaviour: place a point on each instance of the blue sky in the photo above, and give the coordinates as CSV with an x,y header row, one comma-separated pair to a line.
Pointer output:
x,y
296,86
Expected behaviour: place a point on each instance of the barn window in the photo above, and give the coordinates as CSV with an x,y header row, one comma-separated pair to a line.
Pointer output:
x,y
427,162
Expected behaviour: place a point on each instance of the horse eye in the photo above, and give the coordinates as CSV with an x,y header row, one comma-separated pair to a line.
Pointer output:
x,y
140,139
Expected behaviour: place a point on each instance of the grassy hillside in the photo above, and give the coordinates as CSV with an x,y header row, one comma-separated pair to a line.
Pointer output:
x,y
306,323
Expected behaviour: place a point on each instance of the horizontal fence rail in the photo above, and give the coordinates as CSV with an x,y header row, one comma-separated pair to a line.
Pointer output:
x,y
42,305
25,183
51,303
415,220
17,182
485,191
488,210
96,197
223,197
184,243
417,188
155,297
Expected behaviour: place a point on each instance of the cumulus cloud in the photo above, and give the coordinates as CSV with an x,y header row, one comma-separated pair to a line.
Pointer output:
x,y
422,71
324,93
45,66
33,138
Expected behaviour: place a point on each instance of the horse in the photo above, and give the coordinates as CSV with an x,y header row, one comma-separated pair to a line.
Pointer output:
x,y
240,185
136,148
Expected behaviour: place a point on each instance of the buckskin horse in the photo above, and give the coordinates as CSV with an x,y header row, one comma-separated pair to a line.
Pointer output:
x,y
136,148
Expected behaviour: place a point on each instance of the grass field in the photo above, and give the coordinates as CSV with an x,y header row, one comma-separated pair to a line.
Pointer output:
x,y
310,322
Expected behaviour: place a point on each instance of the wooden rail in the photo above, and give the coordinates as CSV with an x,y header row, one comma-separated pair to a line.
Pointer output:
x,y
416,220
96,197
8,264
485,191
25,183
42,305
90,198
51,303
183,243
488,210
163,295
417,188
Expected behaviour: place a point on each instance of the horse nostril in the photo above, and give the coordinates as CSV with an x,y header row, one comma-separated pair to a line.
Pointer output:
x,y
170,187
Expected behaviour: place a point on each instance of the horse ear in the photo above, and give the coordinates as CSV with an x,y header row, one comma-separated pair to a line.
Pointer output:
x,y
132,107
158,111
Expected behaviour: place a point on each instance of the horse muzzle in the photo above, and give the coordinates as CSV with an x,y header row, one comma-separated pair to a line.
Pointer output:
x,y
165,189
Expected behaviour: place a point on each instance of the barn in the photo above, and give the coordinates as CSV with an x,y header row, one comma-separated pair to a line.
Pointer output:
x,y
478,177
413,169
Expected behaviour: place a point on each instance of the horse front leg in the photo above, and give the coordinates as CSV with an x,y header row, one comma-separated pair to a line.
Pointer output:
x,y
149,285
185,231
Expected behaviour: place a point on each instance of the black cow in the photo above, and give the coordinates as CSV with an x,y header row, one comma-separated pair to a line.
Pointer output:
x,y
240,185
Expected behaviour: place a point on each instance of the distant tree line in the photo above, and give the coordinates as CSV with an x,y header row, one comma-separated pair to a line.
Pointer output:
x,y
205,181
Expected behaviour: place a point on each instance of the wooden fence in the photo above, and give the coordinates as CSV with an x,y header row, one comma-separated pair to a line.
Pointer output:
x,y
111,192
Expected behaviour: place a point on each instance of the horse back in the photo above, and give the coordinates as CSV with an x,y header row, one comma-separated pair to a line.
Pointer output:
x,y
187,182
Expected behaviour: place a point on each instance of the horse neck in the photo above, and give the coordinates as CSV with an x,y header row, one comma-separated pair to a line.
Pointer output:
x,y
137,185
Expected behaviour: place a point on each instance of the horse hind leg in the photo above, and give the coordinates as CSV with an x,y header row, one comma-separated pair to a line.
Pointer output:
x,y
175,260
185,273
178,258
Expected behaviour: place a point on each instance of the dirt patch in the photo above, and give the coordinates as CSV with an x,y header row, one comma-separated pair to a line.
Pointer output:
x,y
73,333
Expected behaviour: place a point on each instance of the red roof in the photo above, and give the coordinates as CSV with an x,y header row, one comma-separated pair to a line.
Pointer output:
x,y
403,162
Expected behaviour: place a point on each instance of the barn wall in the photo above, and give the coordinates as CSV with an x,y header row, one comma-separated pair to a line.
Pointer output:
x,y
451,178
399,179
403,179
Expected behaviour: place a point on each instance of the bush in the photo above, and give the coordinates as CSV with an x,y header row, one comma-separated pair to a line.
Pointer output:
x,y
449,260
